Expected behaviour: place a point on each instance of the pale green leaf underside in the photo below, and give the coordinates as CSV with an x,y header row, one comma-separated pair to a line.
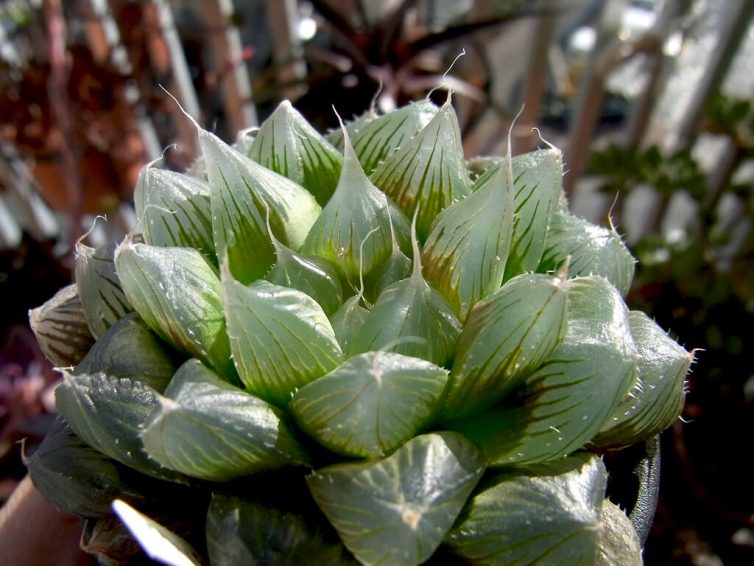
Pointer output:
x,y
465,253
61,329
177,293
102,298
592,249
371,404
208,429
545,514
281,338
396,511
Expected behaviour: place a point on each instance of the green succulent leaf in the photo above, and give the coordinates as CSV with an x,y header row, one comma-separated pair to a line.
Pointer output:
x,y
174,210
410,318
107,413
541,514
208,429
348,320
158,543
397,510
592,249
281,338
353,127
354,229
130,349
507,336
396,267
289,145
428,172
311,275
102,297
245,532
656,400
61,330
178,295
563,404
465,254
371,404
242,193
378,138
618,542
537,185
75,477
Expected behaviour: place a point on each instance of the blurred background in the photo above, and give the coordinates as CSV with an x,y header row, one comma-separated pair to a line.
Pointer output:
x,y
651,101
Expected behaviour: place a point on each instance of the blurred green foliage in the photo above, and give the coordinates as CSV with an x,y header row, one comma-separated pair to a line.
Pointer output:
x,y
701,286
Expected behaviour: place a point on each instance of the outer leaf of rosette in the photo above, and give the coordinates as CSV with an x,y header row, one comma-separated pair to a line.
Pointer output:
x,y
311,275
108,413
619,543
206,428
281,338
353,231
410,318
428,172
248,532
592,249
656,401
537,185
178,295
563,404
348,320
547,513
102,298
61,328
130,349
289,145
371,404
174,210
379,138
75,477
464,256
398,510
507,336
242,192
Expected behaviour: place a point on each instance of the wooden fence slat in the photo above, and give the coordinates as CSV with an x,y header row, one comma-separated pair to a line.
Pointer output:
x,y
230,68
591,95
164,36
287,51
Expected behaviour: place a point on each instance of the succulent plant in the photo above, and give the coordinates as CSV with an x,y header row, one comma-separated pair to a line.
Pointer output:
x,y
359,350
